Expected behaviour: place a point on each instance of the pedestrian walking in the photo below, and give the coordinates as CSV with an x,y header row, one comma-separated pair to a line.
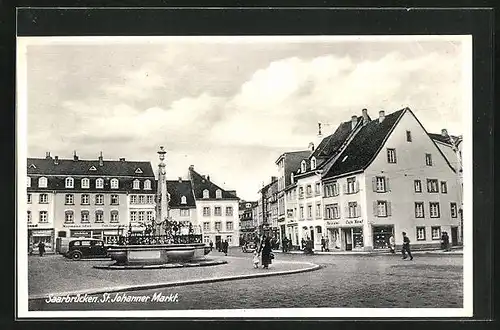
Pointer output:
x,y
225,245
446,241
303,243
41,248
265,251
323,247
392,244
406,247
284,245
211,246
327,244
255,259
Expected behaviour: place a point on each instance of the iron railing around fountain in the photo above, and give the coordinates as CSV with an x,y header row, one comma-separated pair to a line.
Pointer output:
x,y
160,239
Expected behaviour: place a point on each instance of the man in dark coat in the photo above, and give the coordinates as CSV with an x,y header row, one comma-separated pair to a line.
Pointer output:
x,y
323,244
211,246
265,250
41,248
406,247
225,247
284,244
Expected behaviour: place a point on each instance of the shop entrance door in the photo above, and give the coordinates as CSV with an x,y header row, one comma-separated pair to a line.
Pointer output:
x,y
347,239
312,235
454,236
381,236
217,242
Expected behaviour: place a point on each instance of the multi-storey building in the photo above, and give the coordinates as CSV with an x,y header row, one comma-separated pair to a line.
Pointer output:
x,y
86,198
217,210
247,223
182,204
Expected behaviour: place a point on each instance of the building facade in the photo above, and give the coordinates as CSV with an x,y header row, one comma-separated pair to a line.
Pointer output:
x,y
217,210
86,198
248,229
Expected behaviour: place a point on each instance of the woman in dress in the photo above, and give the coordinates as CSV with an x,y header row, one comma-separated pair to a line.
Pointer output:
x,y
265,250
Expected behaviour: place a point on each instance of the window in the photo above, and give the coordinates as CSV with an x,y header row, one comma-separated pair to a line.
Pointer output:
x,y
301,192
68,217
136,184
352,186
332,211
69,199
150,199
114,183
206,226
99,183
183,200
218,193
218,226
115,200
113,216
85,183
229,225
418,186
229,211
206,194
428,159
147,185
352,207
380,184
43,217
291,177
419,210
317,188
218,211
43,198
141,216
309,190
29,198
42,182
133,199
420,233
302,212
313,163
85,217
150,216
432,186
99,216
434,207
142,199
391,155
133,216
303,166
436,232
69,183
85,199
28,182
309,211
184,212
289,213
318,210
206,211
29,216
408,136
453,208
229,239
382,209
444,187
99,199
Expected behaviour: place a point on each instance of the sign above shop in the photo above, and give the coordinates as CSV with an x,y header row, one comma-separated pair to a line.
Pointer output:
x,y
94,225
344,222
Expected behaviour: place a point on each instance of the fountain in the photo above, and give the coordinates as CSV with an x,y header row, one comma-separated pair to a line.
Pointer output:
x,y
155,250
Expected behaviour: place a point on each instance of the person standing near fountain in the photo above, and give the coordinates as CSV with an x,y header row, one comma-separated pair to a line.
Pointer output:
x,y
265,250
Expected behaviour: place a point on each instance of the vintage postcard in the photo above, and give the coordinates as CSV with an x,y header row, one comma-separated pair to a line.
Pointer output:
x,y
244,176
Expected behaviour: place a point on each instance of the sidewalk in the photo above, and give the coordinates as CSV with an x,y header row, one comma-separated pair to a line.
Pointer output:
x,y
46,275
454,251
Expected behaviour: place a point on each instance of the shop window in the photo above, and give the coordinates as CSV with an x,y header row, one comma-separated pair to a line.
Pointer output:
x,y
357,238
229,239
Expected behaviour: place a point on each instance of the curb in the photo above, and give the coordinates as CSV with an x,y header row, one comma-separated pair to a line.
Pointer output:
x,y
431,252
163,266
312,267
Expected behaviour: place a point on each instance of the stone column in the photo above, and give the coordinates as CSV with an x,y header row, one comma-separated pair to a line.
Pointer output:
x,y
162,211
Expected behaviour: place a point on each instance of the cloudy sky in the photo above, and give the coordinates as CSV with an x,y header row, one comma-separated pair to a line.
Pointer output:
x,y
229,106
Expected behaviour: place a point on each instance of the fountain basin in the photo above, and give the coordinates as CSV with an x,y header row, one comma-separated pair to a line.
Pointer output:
x,y
157,254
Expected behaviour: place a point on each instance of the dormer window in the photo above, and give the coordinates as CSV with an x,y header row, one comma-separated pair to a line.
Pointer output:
x,y
291,177
28,182
218,193
69,183
114,184
183,200
92,168
136,184
303,166
85,183
147,184
99,183
205,193
138,171
313,163
42,182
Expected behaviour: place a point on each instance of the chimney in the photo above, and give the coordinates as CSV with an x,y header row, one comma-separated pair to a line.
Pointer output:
x,y
47,155
100,159
311,146
354,121
203,176
122,159
180,179
191,167
364,114
273,178
444,132
75,156
381,116
208,177
56,160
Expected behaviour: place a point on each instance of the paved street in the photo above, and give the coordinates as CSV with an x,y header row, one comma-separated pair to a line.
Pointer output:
x,y
343,281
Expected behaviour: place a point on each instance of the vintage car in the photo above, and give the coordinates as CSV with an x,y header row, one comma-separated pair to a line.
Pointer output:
x,y
249,247
86,248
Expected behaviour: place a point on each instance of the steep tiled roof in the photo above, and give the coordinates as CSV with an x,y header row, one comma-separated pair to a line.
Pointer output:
x,y
70,167
441,138
200,183
177,189
332,142
292,162
365,145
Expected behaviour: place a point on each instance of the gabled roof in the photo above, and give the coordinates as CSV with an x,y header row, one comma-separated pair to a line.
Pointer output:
x,y
177,189
441,138
200,183
333,141
365,145
292,162
70,167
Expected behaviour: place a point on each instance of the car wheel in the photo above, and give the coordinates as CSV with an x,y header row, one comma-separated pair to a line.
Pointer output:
x,y
76,255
